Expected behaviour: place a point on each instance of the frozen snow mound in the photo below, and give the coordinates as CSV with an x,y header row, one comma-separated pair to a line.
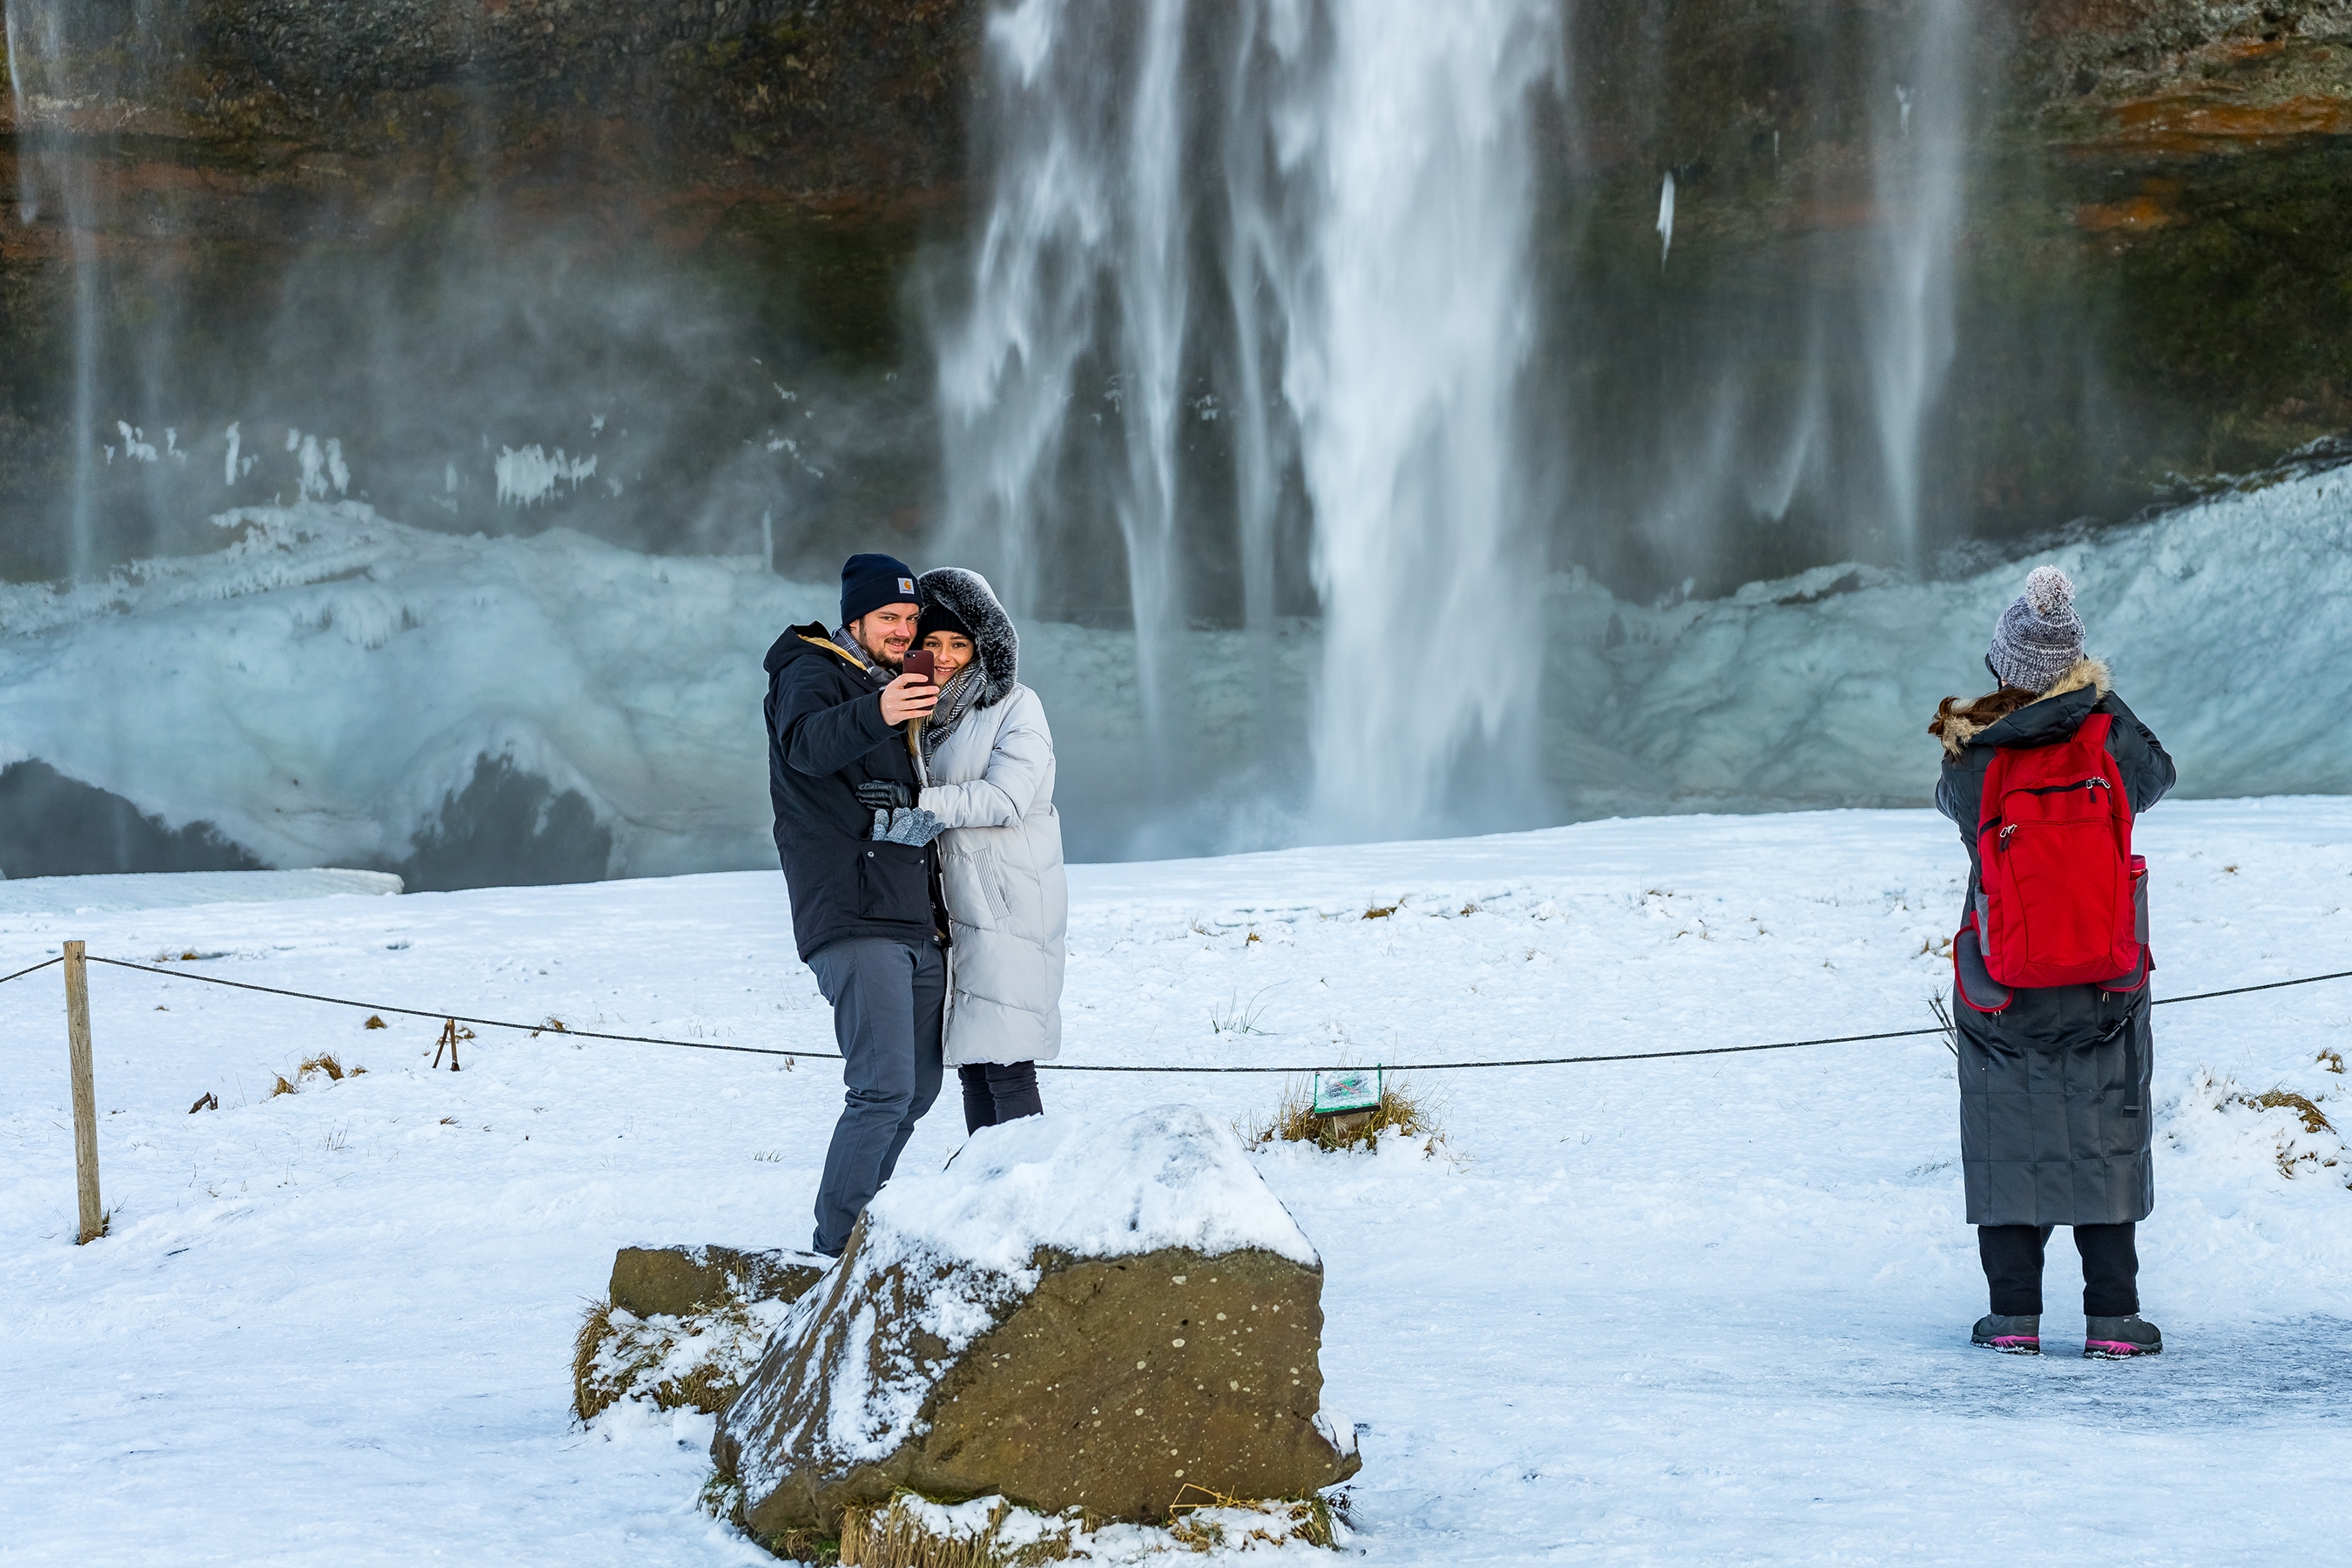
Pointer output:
x,y
1161,1178
1071,1314
2222,621
186,889
333,688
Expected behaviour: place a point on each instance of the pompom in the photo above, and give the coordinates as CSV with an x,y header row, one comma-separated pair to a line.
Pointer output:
x,y
2048,591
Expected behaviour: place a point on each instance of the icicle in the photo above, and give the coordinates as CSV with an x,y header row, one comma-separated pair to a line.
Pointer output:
x,y
228,469
1665,219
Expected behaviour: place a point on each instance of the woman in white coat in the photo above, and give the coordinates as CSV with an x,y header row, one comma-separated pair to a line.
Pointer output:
x,y
986,761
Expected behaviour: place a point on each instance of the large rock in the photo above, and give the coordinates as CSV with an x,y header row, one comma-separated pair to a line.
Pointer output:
x,y
677,1280
1071,1315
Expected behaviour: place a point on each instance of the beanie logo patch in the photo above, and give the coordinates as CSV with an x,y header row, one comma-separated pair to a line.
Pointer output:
x,y
907,585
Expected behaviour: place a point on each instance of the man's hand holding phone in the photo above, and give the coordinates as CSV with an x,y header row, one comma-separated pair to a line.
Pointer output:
x,y
912,695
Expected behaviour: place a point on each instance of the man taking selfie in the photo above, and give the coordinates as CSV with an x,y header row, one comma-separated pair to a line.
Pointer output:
x,y
858,859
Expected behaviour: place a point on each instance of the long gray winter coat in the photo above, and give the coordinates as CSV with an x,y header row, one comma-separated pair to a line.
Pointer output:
x,y
992,783
2055,1113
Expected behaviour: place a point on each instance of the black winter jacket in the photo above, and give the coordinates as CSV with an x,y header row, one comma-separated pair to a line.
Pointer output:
x,y
825,737
2055,1111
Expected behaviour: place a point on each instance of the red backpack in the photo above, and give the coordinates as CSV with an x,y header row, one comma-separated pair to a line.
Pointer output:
x,y
2054,848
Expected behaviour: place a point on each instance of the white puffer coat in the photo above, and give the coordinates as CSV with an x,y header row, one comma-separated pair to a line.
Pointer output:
x,y
992,783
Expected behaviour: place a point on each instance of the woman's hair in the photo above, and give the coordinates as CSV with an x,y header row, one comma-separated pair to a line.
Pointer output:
x,y
1981,713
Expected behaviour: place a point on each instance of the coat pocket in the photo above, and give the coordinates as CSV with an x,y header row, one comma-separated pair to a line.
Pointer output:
x,y
894,883
1973,979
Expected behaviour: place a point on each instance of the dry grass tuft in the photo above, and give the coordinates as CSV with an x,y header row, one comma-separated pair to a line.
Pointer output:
x,y
1401,1110
590,1397
2314,1119
1314,1520
1382,912
617,1355
2332,1060
374,1021
895,1535
328,1064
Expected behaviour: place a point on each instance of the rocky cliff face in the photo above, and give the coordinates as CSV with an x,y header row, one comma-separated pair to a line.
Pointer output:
x,y
303,212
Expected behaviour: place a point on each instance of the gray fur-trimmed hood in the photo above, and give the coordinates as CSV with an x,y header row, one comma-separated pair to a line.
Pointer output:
x,y
968,597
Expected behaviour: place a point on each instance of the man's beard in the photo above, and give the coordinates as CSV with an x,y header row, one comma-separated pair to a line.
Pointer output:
x,y
885,659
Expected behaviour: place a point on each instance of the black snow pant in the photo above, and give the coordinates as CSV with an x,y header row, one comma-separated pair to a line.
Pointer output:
x,y
2012,1265
998,1091
889,998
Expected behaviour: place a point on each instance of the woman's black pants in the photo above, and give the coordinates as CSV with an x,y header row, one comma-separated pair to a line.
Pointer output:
x,y
999,1091
2012,1265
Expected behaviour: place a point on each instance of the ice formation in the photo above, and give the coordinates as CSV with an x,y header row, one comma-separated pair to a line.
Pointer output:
x,y
320,686
529,475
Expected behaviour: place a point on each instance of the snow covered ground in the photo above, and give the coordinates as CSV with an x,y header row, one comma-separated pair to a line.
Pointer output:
x,y
325,686
1689,1310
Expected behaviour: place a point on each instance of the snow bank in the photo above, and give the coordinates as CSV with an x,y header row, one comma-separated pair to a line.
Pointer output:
x,y
2221,621
184,890
1167,1177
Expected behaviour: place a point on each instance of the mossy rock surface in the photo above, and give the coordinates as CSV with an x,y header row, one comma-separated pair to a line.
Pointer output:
x,y
677,1280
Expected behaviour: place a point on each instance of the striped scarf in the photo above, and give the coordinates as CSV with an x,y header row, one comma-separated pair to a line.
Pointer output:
x,y
959,697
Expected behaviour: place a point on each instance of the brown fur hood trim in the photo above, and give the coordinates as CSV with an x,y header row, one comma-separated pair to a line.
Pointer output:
x,y
1959,720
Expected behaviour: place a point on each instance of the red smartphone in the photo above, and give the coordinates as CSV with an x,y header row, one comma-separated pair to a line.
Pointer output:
x,y
922,662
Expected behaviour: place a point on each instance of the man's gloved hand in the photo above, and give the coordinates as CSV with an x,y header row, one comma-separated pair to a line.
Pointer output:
x,y
914,828
885,794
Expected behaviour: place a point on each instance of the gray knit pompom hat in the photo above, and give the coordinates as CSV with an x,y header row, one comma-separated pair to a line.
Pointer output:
x,y
2040,636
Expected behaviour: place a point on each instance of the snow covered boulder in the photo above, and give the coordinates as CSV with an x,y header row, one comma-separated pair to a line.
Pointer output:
x,y
1072,1315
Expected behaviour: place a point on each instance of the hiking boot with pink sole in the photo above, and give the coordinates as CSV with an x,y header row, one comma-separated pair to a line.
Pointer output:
x,y
2120,1339
2010,1333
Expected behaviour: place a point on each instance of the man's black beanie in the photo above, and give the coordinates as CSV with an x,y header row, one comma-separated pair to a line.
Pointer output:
x,y
870,582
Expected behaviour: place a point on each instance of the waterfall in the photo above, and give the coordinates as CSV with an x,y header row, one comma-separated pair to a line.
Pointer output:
x,y
1374,311
52,169
1315,219
1920,174
1409,320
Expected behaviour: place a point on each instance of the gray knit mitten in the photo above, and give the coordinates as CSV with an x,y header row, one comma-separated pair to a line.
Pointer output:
x,y
913,827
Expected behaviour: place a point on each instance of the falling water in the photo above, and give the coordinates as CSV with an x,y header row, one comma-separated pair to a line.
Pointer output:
x,y
50,169
1411,318
1375,162
1921,184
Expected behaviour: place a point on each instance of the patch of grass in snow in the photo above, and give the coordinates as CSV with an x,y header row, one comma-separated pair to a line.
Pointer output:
x,y
2314,1119
698,1361
2332,1060
326,1063
914,1531
1402,1109
1237,1017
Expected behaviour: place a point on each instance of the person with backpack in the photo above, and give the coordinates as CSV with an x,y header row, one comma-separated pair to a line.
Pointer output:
x,y
2043,777
859,863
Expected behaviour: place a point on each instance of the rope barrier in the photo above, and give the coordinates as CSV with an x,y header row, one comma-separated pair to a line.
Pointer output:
x,y
34,969
546,1027
553,1028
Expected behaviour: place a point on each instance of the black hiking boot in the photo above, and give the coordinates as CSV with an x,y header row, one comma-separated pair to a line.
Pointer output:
x,y
2012,1334
2120,1339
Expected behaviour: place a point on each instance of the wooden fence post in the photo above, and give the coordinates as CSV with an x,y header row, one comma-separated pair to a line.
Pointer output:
x,y
85,1094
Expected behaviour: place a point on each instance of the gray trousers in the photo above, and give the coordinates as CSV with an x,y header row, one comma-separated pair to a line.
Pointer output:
x,y
888,998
